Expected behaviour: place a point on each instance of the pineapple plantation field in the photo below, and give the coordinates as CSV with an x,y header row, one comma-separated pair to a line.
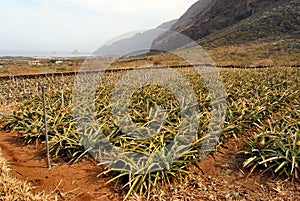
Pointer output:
x,y
257,156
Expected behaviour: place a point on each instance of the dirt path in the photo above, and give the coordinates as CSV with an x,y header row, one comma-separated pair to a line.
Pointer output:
x,y
75,182
223,178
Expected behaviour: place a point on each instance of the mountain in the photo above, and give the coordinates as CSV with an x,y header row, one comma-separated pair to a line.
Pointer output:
x,y
271,25
167,25
139,43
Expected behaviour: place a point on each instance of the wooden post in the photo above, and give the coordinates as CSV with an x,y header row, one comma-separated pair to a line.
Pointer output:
x,y
46,132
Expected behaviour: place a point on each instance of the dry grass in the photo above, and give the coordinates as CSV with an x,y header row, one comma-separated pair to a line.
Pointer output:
x,y
12,189
278,53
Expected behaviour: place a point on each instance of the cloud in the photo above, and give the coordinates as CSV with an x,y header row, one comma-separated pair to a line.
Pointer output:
x,y
129,7
49,10
70,24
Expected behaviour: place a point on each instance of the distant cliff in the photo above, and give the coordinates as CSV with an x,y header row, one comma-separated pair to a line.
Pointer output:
x,y
225,22
138,44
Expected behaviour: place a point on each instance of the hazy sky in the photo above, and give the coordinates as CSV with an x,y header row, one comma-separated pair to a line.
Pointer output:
x,y
65,25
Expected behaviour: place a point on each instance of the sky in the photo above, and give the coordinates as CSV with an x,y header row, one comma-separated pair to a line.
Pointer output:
x,y
85,25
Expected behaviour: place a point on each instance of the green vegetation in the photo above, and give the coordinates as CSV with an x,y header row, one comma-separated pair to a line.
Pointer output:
x,y
263,102
276,147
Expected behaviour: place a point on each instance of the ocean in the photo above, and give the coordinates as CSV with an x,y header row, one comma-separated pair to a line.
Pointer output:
x,y
41,54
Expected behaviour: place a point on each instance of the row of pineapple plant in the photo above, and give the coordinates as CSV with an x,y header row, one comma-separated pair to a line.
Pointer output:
x,y
17,88
256,99
29,124
275,147
65,142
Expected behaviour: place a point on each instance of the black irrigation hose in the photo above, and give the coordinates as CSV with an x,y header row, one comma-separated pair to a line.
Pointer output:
x,y
28,76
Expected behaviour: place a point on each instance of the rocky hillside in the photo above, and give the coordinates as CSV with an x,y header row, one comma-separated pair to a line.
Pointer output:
x,y
273,24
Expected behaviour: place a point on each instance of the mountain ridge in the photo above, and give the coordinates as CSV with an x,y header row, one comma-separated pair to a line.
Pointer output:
x,y
139,43
211,17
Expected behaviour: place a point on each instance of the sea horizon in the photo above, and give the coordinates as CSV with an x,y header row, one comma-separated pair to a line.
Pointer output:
x,y
41,54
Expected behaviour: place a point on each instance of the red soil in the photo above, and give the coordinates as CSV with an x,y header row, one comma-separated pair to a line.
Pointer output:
x,y
222,176
72,182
